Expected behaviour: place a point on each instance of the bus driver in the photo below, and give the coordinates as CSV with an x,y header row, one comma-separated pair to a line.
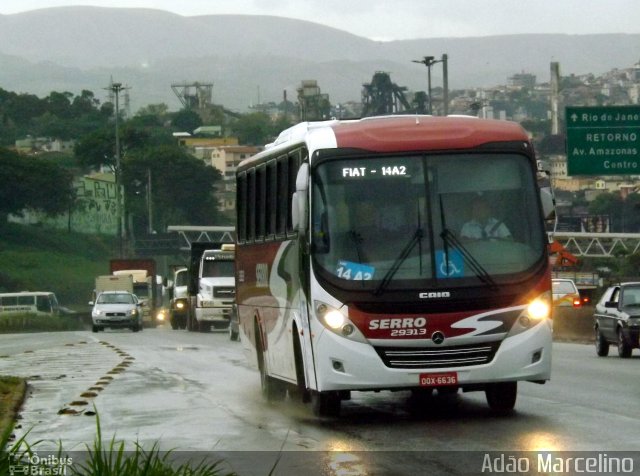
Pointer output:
x,y
482,225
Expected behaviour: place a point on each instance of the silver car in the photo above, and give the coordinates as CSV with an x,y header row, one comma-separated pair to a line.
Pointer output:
x,y
116,309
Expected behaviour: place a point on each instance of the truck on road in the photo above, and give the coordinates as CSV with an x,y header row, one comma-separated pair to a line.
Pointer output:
x,y
179,300
112,282
211,286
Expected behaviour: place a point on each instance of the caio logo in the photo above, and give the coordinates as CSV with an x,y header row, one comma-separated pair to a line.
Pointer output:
x,y
435,295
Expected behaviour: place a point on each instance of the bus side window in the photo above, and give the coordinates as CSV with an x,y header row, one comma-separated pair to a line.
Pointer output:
x,y
10,301
26,300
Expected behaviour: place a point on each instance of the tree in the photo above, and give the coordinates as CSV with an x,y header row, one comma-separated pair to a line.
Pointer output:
x,y
59,104
186,120
97,148
32,183
254,129
160,110
624,213
182,187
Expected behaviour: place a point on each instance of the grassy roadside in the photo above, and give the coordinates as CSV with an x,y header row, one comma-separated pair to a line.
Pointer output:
x,y
12,393
20,323
40,259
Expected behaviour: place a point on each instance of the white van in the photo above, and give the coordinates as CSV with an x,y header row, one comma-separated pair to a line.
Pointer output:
x,y
38,302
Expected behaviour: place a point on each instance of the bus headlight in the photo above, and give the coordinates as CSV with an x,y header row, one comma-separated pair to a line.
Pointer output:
x,y
538,309
337,322
334,319
537,312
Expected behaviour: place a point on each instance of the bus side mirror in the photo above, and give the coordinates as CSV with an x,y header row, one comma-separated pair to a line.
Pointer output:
x,y
299,199
548,201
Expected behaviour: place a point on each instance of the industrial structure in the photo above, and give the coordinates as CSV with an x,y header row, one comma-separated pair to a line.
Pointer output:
x,y
383,97
312,104
196,96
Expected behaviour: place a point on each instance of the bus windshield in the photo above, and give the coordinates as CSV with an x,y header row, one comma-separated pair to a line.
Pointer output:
x,y
182,278
380,223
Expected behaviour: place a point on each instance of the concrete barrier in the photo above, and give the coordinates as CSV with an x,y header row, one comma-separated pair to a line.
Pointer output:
x,y
571,324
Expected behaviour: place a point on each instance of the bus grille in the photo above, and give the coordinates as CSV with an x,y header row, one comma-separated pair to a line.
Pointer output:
x,y
438,357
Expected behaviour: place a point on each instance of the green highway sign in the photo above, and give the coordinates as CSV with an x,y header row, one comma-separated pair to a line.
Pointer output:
x,y
603,140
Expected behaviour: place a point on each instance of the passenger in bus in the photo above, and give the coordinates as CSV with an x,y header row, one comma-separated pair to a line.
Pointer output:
x,y
482,224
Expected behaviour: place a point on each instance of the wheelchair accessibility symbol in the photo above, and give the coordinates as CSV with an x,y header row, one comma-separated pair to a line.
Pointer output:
x,y
451,268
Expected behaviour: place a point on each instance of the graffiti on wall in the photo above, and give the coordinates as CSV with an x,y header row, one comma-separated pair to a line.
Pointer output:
x,y
95,209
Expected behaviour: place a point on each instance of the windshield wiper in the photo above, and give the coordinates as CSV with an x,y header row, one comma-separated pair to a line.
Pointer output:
x,y
415,239
356,238
482,274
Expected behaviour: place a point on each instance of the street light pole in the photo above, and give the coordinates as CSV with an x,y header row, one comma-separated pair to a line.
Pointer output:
x,y
445,83
429,61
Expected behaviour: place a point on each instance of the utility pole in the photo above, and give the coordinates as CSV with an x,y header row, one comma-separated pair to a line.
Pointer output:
x,y
555,97
116,88
149,202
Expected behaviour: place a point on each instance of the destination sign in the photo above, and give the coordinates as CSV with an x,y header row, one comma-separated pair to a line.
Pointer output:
x,y
603,140
389,170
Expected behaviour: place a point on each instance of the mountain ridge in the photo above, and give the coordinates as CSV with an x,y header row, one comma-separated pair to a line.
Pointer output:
x,y
77,48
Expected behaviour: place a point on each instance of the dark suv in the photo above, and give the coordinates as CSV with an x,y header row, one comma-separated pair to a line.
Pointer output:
x,y
617,319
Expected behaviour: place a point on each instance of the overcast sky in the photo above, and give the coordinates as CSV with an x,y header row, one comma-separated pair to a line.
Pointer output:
x,y
404,19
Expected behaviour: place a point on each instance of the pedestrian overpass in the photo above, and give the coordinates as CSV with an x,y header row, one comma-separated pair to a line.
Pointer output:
x,y
192,234
589,245
598,245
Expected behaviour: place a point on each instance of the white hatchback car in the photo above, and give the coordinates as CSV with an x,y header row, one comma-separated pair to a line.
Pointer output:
x,y
565,293
116,309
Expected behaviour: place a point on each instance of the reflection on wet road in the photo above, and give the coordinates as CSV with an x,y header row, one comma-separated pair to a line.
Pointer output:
x,y
195,392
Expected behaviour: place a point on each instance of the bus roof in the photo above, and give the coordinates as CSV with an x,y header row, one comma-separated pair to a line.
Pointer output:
x,y
26,293
397,133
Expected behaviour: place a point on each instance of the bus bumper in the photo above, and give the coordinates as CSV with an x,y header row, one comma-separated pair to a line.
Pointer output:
x,y
347,365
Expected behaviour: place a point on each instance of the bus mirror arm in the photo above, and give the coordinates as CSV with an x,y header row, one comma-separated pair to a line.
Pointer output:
x,y
548,201
299,199
295,211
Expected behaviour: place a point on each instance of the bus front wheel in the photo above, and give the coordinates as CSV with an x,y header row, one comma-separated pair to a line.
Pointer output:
x,y
300,389
325,404
501,396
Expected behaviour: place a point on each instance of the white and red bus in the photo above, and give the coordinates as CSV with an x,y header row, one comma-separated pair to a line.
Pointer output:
x,y
353,273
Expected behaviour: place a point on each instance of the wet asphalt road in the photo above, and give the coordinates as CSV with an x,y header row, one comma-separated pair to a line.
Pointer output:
x,y
196,392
